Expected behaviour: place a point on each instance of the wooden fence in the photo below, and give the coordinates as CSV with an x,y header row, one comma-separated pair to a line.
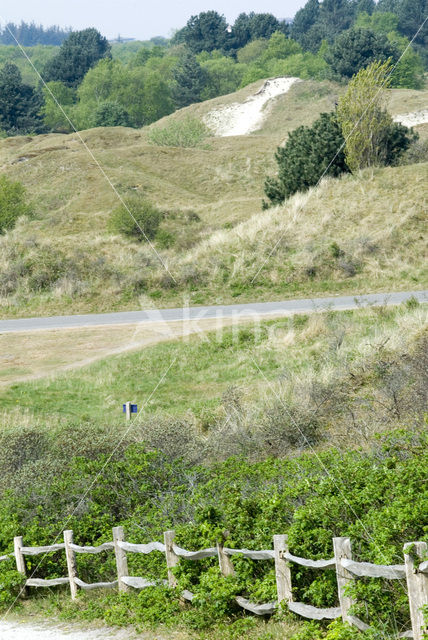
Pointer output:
x,y
414,570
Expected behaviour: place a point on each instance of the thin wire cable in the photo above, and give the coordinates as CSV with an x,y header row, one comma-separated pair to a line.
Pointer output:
x,y
342,146
100,472
90,152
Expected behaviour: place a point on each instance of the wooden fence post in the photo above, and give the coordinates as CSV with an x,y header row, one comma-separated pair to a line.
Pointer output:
x,y
342,549
224,561
121,559
71,562
282,570
20,561
172,559
417,586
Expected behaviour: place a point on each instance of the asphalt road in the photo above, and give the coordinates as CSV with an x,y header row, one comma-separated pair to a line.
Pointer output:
x,y
237,311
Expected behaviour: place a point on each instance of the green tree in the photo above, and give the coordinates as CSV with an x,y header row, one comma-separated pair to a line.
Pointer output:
x,y
380,21
411,17
309,154
190,81
142,92
54,116
302,65
145,53
253,26
365,6
19,103
263,25
206,32
357,48
409,72
110,114
372,138
13,203
279,47
224,76
302,29
335,17
158,101
78,53
252,51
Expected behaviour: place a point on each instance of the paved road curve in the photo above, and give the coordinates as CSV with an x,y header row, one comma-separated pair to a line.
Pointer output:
x,y
222,311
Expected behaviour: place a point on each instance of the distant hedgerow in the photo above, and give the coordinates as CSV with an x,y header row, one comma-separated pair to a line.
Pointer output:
x,y
189,132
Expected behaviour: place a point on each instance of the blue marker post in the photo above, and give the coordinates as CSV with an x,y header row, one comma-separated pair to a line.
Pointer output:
x,y
129,408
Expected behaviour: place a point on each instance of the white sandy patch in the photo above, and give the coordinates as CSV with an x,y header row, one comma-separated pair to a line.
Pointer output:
x,y
238,119
413,118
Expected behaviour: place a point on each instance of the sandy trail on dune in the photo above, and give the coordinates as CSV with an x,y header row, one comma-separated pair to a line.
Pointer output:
x,y
239,119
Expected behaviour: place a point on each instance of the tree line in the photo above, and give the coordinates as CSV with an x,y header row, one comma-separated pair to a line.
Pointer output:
x,y
207,58
29,34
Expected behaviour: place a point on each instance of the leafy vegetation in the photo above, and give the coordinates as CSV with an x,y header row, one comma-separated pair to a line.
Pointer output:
x,y
251,501
13,203
372,138
77,54
136,218
19,103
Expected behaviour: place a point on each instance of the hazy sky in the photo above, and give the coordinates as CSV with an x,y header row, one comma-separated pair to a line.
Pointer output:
x,y
133,18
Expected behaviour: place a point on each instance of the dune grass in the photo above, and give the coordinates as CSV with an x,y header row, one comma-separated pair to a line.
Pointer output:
x,y
213,235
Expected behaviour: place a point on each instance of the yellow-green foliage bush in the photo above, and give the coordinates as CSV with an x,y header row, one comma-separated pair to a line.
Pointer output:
x,y
13,203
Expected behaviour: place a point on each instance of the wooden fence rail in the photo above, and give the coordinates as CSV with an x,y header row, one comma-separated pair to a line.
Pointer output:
x,y
414,571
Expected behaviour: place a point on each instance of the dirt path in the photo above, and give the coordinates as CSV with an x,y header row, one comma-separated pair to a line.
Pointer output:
x,y
15,630
239,119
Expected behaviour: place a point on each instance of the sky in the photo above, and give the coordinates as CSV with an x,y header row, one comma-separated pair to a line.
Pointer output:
x,y
134,18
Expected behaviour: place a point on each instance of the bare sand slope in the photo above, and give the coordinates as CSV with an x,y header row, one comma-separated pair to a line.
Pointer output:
x,y
239,119
413,118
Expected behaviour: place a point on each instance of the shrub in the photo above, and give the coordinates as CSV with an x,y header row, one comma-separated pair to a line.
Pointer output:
x,y
13,203
136,218
372,138
110,114
309,153
189,132
417,152
11,582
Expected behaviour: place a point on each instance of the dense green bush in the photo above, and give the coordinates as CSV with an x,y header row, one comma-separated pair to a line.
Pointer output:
x,y
309,154
136,218
110,114
11,582
13,203
375,498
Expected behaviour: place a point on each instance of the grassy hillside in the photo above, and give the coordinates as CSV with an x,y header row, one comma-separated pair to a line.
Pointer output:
x,y
65,260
